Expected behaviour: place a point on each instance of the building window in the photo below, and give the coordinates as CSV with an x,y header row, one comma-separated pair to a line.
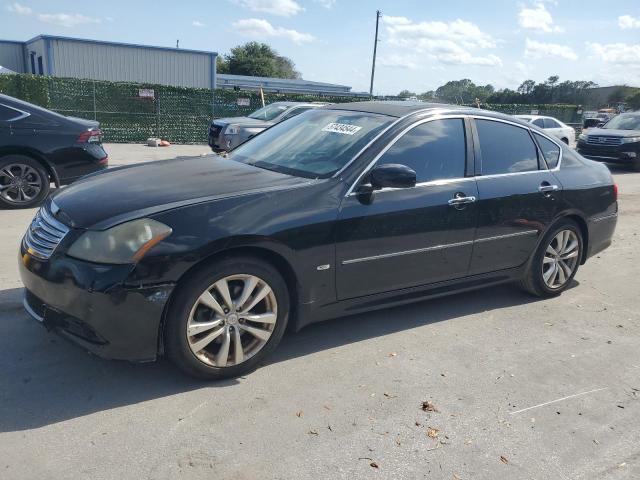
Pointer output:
x,y
33,63
40,69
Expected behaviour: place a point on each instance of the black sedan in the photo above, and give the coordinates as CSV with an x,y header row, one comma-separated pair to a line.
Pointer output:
x,y
340,210
38,146
617,141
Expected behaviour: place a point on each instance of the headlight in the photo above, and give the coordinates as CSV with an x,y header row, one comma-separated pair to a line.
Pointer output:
x,y
630,139
125,243
232,130
582,136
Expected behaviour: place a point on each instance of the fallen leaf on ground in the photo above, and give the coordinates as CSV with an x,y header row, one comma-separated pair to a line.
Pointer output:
x,y
393,354
299,413
432,432
313,432
388,395
503,460
374,465
427,406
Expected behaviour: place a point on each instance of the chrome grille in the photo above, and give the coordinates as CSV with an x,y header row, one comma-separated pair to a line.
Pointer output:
x,y
44,234
603,140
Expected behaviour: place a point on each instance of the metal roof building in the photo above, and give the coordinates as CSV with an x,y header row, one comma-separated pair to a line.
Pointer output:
x,y
126,62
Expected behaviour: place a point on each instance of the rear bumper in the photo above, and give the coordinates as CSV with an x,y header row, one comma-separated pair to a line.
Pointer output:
x,y
91,305
601,229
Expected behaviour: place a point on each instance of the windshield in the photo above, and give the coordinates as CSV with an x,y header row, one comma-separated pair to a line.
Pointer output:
x,y
269,112
314,144
624,122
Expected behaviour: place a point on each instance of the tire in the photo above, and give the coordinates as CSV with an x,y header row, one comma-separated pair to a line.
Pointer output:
x,y
539,276
192,311
32,186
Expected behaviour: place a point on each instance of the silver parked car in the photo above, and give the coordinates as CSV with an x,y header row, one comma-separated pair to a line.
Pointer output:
x,y
227,133
553,126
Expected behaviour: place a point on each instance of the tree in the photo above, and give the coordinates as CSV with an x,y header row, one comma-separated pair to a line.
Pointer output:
x,y
526,87
222,66
429,96
634,101
259,60
406,94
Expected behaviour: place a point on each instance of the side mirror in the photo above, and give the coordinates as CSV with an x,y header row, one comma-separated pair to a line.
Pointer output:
x,y
392,175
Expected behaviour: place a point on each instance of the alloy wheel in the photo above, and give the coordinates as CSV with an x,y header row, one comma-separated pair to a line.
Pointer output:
x,y
232,320
19,183
560,259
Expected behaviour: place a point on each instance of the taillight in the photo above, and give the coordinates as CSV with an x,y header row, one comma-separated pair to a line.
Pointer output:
x,y
90,136
615,191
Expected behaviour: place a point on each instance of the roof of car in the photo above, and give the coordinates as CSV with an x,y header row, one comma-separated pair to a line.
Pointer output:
x,y
396,108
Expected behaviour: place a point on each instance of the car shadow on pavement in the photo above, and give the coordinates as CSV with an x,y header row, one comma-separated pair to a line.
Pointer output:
x,y
44,379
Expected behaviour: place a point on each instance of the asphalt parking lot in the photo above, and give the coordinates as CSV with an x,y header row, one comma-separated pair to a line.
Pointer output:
x,y
515,387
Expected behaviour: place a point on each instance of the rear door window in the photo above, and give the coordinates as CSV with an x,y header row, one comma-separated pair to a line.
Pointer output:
x,y
436,150
551,123
506,148
538,122
550,151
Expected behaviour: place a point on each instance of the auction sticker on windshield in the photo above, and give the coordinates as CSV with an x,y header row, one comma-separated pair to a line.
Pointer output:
x,y
343,128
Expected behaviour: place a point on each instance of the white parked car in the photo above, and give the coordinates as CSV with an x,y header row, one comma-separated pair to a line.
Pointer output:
x,y
553,126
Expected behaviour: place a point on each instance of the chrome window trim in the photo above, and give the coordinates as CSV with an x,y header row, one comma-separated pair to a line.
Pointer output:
x,y
22,113
437,247
363,149
430,183
441,116
531,132
396,138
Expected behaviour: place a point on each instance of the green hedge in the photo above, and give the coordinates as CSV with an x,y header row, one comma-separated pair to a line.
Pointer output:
x,y
177,114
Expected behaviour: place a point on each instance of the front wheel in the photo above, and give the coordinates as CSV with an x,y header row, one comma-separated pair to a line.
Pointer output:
x,y
556,260
226,318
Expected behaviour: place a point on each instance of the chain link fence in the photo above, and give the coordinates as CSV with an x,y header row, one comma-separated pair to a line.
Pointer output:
x,y
133,112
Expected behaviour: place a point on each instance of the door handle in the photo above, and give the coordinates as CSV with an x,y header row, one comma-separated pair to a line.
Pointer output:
x,y
460,199
547,187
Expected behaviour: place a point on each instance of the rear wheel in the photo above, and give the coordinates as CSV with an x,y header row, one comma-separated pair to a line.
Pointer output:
x,y
556,260
226,318
24,182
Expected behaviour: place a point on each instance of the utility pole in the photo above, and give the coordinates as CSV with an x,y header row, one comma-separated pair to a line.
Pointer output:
x,y
375,49
178,43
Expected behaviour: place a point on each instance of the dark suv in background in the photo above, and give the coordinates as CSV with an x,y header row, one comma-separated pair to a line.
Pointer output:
x,y
38,146
227,133
617,141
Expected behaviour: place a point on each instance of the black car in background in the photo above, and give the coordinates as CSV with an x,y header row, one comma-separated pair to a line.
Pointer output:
x,y
617,141
339,210
38,146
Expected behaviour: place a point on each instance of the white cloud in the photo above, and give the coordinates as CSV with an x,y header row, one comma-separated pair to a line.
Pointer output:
x,y
537,18
258,28
283,8
398,61
618,53
67,19
196,23
453,43
537,50
627,21
19,9
326,3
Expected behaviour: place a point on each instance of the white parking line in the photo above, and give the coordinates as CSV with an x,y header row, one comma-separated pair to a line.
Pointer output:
x,y
558,400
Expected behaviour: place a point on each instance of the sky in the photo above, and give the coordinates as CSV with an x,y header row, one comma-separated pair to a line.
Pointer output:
x,y
423,44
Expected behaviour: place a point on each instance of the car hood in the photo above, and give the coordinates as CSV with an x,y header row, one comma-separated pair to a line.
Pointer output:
x,y
104,199
244,121
610,132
